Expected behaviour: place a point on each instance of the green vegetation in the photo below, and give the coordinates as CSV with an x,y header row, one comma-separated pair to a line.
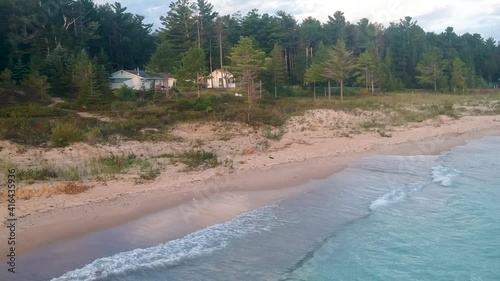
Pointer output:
x,y
194,159
273,133
65,134
36,124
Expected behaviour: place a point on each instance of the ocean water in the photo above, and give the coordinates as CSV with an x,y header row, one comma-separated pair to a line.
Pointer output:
x,y
383,218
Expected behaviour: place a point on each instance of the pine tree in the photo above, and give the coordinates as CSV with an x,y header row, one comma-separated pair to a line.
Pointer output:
x,y
314,73
57,68
431,68
247,63
180,27
19,71
162,60
339,66
369,68
36,86
459,75
6,81
193,67
278,68
84,76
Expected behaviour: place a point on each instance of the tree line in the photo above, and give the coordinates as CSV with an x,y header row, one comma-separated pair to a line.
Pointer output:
x,y
69,47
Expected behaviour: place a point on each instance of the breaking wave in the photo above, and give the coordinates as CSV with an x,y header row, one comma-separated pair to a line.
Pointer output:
x,y
171,253
443,175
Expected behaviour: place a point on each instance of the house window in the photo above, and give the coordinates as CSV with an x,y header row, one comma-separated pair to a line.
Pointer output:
x,y
221,83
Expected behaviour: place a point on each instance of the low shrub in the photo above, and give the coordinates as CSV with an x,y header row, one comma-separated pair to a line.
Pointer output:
x,y
273,133
197,159
65,134
117,164
38,174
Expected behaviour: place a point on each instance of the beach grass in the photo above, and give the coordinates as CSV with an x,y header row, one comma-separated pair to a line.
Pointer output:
x,y
196,159
35,124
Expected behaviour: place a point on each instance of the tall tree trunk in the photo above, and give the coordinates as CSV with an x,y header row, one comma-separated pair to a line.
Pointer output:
x,y
314,90
342,90
167,89
199,32
224,82
275,88
366,79
373,86
198,83
329,90
210,61
260,89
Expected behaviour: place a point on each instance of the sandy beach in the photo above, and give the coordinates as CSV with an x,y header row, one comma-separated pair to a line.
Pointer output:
x,y
254,177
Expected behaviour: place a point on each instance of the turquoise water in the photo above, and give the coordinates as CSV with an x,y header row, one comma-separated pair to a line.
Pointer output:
x,y
383,218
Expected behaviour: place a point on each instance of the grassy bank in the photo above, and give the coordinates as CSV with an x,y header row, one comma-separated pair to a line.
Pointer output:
x,y
39,125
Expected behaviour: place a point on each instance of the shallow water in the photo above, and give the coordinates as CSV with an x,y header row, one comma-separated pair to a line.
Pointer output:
x,y
383,218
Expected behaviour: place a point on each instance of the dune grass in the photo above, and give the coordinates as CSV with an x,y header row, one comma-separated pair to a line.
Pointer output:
x,y
35,124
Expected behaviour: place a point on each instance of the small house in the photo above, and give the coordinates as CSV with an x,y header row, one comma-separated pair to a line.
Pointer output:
x,y
138,79
221,79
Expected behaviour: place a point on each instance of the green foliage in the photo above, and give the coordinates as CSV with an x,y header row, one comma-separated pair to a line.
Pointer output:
x,y
247,63
431,68
117,164
180,27
36,86
19,71
339,65
6,80
197,159
277,68
162,60
57,68
192,67
36,174
459,76
273,133
369,69
125,93
84,76
65,134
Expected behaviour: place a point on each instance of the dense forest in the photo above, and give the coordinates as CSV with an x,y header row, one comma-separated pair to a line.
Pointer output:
x,y
68,48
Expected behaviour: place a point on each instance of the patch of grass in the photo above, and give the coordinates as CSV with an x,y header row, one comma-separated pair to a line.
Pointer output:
x,y
70,174
197,159
165,155
149,171
371,124
117,164
37,174
273,133
66,134
33,110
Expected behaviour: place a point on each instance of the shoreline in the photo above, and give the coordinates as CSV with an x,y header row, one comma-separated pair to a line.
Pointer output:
x,y
280,180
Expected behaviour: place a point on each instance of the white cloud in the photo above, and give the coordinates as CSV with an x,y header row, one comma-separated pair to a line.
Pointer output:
x,y
473,16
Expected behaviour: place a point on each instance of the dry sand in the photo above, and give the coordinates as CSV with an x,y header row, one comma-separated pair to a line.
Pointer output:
x,y
314,146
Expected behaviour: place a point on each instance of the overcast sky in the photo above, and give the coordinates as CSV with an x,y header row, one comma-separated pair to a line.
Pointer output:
x,y
473,16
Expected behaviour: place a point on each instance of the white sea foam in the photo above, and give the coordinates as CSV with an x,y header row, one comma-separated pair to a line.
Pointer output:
x,y
196,244
396,195
388,199
443,175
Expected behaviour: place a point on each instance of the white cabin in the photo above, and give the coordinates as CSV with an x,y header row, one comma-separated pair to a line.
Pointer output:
x,y
137,79
219,79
